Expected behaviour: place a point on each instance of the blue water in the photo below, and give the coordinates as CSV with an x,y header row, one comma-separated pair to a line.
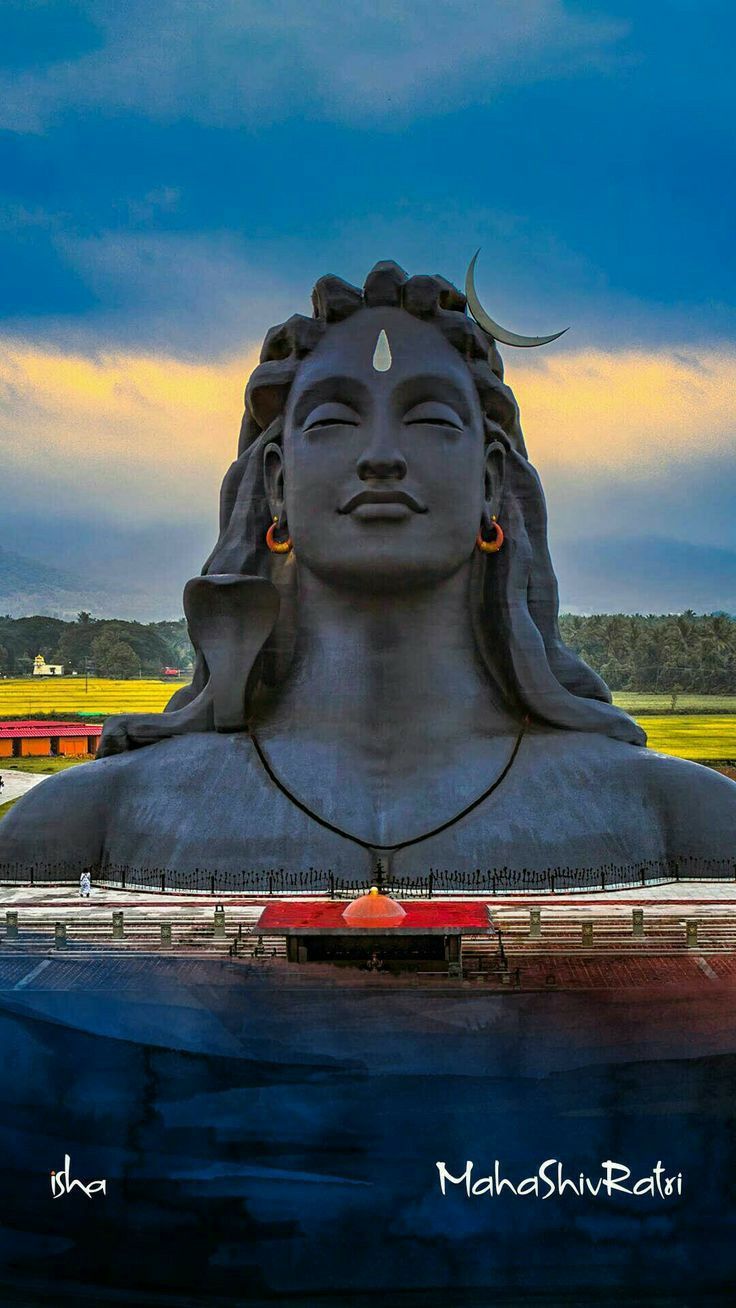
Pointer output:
x,y
264,1145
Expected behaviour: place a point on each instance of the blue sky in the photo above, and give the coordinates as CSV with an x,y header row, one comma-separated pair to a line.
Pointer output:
x,y
176,175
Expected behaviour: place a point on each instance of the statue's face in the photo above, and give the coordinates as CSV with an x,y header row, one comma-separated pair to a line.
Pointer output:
x,y
384,476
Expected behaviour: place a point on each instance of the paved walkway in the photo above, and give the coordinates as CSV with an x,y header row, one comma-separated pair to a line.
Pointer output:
x,y
17,783
687,895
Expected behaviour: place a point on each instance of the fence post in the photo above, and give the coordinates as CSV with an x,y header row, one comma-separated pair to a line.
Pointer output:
x,y
11,924
165,933
691,934
638,921
430,884
587,934
60,934
118,930
163,880
535,923
219,925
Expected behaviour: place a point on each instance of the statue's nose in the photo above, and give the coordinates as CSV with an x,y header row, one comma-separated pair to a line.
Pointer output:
x,y
382,463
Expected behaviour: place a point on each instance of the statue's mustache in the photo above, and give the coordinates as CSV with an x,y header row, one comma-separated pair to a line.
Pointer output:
x,y
393,496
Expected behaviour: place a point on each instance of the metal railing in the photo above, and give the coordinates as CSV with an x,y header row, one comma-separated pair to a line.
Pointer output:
x,y
485,882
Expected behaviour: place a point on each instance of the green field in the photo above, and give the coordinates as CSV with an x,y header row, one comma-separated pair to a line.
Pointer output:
x,y
37,766
646,702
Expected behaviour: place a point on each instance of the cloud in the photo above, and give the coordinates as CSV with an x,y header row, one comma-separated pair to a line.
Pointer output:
x,y
595,414
220,62
129,437
139,436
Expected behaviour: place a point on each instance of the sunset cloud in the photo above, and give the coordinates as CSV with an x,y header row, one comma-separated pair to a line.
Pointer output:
x,y
594,413
139,436
148,436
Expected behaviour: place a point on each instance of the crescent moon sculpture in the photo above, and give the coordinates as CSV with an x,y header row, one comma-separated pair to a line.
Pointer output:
x,y
494,329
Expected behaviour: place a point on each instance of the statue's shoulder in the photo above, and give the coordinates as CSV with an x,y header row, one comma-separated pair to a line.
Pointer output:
x,y
699,806
68,815
65,811
692,807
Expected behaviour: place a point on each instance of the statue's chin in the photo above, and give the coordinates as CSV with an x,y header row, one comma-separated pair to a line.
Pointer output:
x,y
377,573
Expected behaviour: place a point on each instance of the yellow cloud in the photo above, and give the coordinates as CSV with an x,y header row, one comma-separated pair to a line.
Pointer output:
x,y
594,413
148,436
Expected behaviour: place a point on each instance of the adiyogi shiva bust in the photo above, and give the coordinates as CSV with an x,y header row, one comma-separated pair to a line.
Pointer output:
x,y
379,667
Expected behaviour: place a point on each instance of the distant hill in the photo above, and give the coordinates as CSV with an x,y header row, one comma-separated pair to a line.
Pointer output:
x,y
143,578
644,574
28,587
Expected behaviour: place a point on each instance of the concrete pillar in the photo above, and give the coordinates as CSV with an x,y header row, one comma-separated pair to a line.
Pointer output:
x,y
60,934
165,933
219,923
118,927
637,918
535,923
691,931
11,924
587,933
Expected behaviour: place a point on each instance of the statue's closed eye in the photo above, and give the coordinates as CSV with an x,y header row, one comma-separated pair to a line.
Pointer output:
x,y
331,415
433,414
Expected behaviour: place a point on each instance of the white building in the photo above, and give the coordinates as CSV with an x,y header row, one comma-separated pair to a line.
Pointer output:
x,y
43,669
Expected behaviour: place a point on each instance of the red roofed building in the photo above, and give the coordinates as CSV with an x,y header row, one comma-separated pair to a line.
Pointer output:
x,y
42,739
421,935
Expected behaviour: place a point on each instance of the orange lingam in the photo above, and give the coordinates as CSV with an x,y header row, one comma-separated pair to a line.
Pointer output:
x,y
374,910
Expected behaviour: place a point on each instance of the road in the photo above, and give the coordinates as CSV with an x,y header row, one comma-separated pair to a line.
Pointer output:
x,y
17,783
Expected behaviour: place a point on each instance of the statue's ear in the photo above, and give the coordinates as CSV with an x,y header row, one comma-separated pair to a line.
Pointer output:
x,y
495,465
273,477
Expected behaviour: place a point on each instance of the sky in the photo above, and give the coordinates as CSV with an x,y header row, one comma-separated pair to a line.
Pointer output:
x,y
175,176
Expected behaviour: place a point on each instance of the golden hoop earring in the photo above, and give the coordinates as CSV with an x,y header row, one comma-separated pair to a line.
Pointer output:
x,y
277,546
491,546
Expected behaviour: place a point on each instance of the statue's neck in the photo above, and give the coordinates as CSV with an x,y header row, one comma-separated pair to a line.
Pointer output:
x,y
386,668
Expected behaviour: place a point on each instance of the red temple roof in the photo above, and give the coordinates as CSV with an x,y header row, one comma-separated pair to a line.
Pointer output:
x,y
325,916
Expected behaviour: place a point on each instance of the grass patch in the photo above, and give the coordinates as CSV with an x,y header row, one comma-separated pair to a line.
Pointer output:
x,y
635,701
36,766
5,808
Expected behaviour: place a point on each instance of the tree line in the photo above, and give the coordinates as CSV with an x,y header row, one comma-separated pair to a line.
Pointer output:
x,y
105,647
668,653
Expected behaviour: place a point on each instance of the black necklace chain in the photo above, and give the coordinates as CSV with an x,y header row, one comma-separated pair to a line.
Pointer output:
x,y
366,844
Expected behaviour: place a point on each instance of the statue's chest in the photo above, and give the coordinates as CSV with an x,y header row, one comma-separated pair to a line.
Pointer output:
x,y
218,806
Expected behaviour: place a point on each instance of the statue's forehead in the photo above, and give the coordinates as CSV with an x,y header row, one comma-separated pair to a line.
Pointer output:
x,y
415,348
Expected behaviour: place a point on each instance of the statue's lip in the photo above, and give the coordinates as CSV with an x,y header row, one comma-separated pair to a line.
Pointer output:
x,y
375,496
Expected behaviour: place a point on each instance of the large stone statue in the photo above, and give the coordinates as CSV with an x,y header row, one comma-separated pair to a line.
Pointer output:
x,y
379,667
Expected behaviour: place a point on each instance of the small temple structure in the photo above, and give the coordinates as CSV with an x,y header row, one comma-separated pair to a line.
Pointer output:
x,y
376,931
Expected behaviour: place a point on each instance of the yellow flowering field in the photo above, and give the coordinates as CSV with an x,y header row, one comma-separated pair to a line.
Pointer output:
x,y
24,697
696,734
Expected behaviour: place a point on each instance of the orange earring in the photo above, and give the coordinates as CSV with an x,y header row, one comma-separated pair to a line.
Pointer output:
x,y
277,546
491,546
